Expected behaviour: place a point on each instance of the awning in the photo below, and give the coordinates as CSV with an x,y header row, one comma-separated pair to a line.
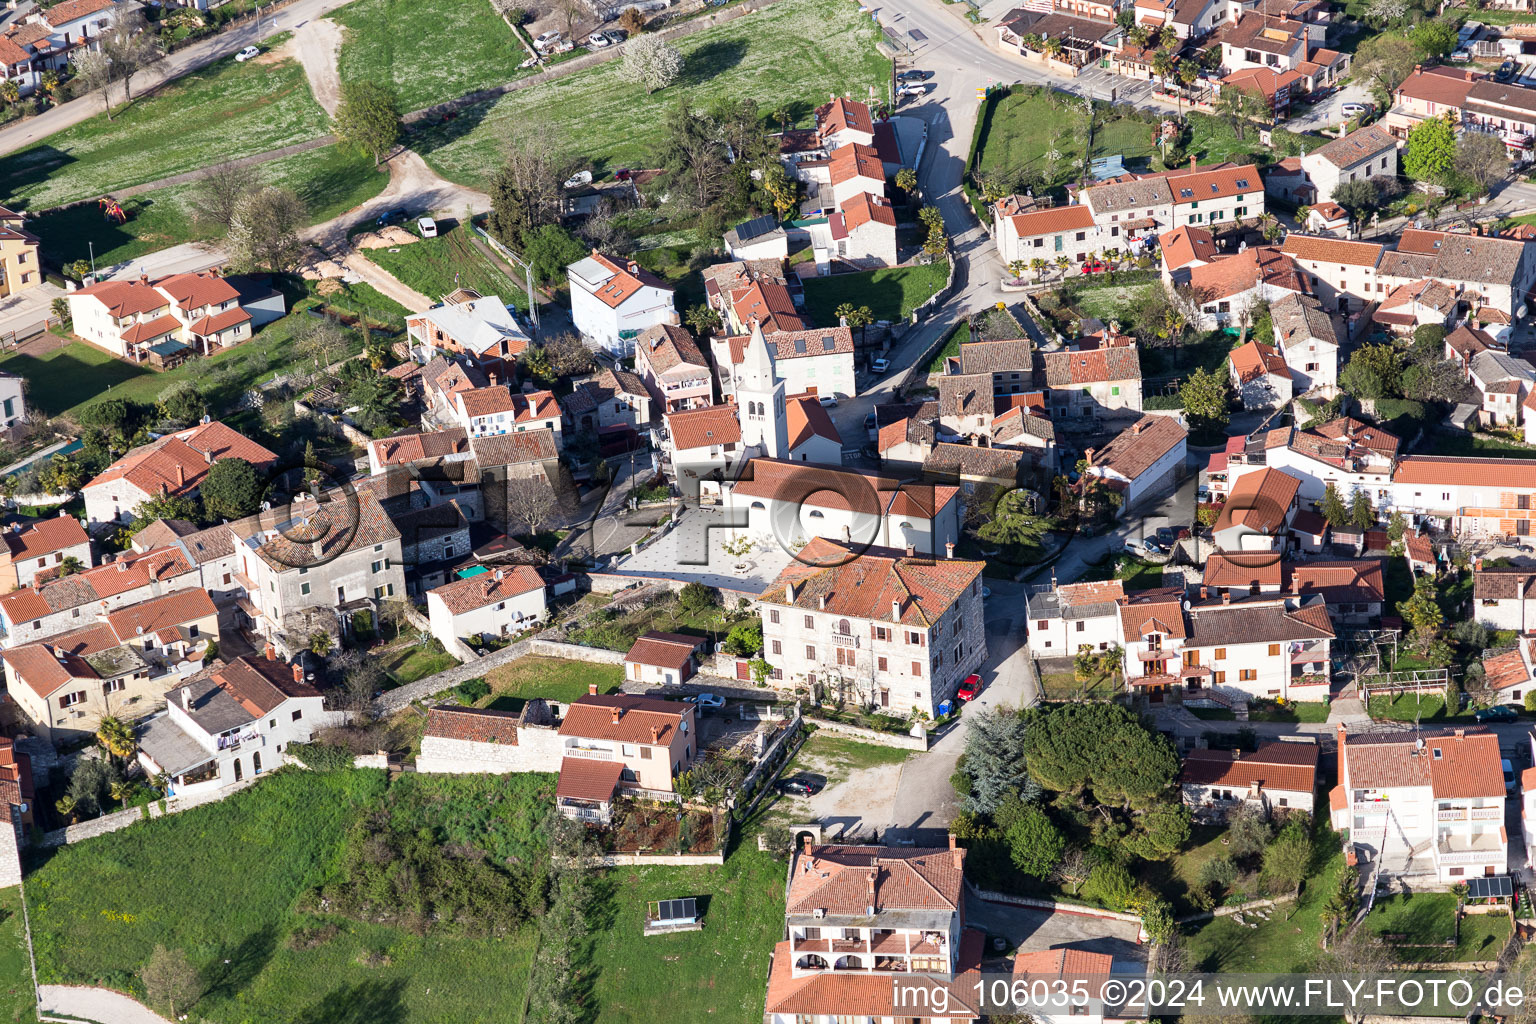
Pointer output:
x,y
584,779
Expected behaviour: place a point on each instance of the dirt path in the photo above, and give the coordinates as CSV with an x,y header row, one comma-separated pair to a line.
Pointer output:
x,y
96,1004
315,46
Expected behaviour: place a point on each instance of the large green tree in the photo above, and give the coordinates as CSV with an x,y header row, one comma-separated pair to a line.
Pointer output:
x,y
1374,371
1384,61
232,490
1102,748
368,119
1034,842
1207,399
1436,38
994,759
1431,150
1333,509
550,249
164,506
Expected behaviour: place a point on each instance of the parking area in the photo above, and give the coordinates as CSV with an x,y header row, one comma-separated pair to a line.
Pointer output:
x,y
692,549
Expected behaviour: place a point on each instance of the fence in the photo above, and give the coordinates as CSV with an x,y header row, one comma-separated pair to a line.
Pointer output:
x,y
10,339
1057,907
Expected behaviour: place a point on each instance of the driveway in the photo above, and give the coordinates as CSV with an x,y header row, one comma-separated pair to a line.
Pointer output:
x,y
315,46
95,1004
19,313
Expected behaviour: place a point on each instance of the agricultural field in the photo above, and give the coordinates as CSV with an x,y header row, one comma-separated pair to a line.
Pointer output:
x,y
515,683
1014,139
223,112
330,180
383,42
891,293
436,266
791,54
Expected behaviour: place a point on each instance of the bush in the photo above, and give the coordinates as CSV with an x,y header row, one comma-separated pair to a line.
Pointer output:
x,y
696,597
321,757
472,690
1111,884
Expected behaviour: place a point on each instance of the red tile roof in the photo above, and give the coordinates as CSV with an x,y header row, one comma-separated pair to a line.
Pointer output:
x,y
1285,766
489,588
477,725
485,401
1254,359
1350,581
1443,85
1095,366
1183,246
1216,184
628,278
625,718
582,778
130,572
404,449
1459,763
863,994
844,113
1332,250
192,291
1505,670
837,880
700,428
204,326
1260,501
1138,448
148,330
1064,962
1052,220
667,345
768,303
1437,470
124,298
880,584
804,418
842,489
46,536
856,160
1160,610
865,208
158,613
1243,570
72,10
178,462
663,650
261,685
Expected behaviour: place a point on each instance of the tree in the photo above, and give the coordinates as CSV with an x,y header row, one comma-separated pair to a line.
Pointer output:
x,y
855,316
745,639
994,760
550,248
1014,525
373,398
937,242
1421,611
1163,831
530,505
10,92
1207,398
71,565
1110,884
182,403
1333,509
1386,10
650,61
1361,513
568,355
1436,38
1034,842
906,180
220,188
1344,899
321,643
703,319
164,506
1384,61
131,47
691,152
93,69
1099,747
527,191
1431,150
68,808
232,490
1374,371
782,190
1482,157
1287,856
321,342
696,598
632,22
264,230
116,738
63,474
170,979
1247,832
1357,196
368,119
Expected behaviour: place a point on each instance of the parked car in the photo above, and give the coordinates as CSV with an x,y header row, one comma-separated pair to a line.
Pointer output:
x,y
827,401
1166,536
1506,71
872,422
599,40
1509,775
247,53
427,226
1354,109
912,89
1497,713
391,216
706,700
801,785
1462,56
970,688
546,40
1095,267
913,76
879,364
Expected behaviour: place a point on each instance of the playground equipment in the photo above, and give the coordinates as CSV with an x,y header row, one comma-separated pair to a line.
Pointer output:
x,y
112,211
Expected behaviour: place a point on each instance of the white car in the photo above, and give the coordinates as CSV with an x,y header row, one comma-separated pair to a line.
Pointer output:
x,y
1354,109
599,40
827,401
427,226
913,89
545,40
707,700
879,365
247,53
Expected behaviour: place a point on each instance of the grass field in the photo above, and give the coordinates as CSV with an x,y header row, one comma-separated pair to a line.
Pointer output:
x,y
331,181
794,53
514,684
1408,707
1026,126
16,1002
1113,303
386,42
1429,918
1455,442
429,265
418,663
891,293
957,337
1064,686
1296,711
222,112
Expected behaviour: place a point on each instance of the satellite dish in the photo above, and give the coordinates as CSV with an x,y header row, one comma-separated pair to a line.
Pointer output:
x,y
139,630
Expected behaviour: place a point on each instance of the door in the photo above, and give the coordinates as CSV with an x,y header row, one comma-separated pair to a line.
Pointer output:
x,y
239,772
743,670
341,595
256,762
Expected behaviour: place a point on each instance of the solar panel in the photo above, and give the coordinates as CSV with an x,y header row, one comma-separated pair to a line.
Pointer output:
x,y
1498,886
677,910
757,226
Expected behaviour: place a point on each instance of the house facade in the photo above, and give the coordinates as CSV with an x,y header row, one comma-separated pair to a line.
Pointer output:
x,y
612,302
172,464
496,603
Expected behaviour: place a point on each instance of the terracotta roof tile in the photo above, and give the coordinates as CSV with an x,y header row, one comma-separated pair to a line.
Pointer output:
x,y
836,879
476,725
1291,767
701,428
1137,448
582,778
1260,501
489,588
1071,369
880,584
625,718
1052,220
665,650
1332,250
856,160
1467,765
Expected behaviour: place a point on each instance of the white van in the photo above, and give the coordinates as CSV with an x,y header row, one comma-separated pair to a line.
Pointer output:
x,y
427,226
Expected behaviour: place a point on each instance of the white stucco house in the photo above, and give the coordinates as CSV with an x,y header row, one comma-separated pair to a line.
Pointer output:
x,y
496,603
613,301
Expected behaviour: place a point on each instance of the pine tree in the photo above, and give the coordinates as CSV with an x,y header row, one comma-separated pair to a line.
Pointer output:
x,y
1333,507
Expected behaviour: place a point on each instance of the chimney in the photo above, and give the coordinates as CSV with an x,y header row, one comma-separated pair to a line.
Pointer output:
x,y
821,602
896,609
634,268
1461,734
270,652
1137,428
1192,164
655,734
789,592
975,441
592,689
122,566
143,278
617,714
208,457
1088,457
181,475
61,512
298,672
494,377
1226,597
952,841
186,698
957,853
807,845
874,874
949,549
317,548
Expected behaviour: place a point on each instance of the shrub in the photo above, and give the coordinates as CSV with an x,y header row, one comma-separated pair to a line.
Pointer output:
x,y
1111,884
321,757
472,690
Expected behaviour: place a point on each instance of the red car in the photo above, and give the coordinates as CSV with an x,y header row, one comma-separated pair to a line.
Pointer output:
x,y
1095,267
970,688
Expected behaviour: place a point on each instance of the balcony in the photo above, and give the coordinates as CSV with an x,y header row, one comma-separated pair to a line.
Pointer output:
x,y
845,639
1309,654
591,753
1371,807
1482,849
1470,814
1157,654
850,946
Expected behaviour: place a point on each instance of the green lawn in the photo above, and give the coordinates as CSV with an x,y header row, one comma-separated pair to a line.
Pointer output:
x,y
1429,918
76,375
399,43
514,683
794,53
1456,442
1297,711
331,181
222,112
1116,302
1020,130
429,265
16,1002
1064,686
836,756
891,293
1212,139
418,663
1178,877
1405,707
957,337
1287,943
1135,573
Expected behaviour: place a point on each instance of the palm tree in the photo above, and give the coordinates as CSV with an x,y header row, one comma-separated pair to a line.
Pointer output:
x,y
1038,265
116,737
782,115
1138,36
67,806
1269,226
9,91
49,81
1017,268
70,566
59,308
320,643
1062,263
121,790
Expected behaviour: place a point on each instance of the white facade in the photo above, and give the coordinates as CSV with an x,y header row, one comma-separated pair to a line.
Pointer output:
x,y
612,303
499,616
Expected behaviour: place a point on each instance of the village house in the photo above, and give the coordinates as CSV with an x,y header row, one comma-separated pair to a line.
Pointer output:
x,y
905,434
608,400
491,603
1503,381
1505,111
45,38
171,464
621,742
1309,339
864,231
1278,777
316,564
983,466
1472,497
1425,801
1047,234
674,371
1509,674
67,684
812,436
856,918
459,740
1071,971
792,504
1465,342
1408,307
481,327
612,302
1439,91
1354,589
819,360
851,170
704,442
1094,384
38,550
50,607
1231,288
1486,272
665,659
1259,375
163,321
496,410
1339,273
1359,156
19,267
232,722
1505,598
885,630
1184,249
1328,219
441,380
1257,512
764,303
1144,461
1351,455
1239,574
1064,619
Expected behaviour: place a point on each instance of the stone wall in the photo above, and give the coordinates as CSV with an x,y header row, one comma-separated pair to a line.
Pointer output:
x,y
118,820
10,853
459,649
575,652
631,860
884,739
1055,907
400,697
537,750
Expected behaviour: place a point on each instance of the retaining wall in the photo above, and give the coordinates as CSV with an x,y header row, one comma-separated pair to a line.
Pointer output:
x,y
632,860
575,652
1055,907
884,739
118,820
393,700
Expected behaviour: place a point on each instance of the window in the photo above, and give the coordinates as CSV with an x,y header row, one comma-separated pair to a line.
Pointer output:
x,y
1218,677
810,653
1221,654
881,662
1247,675
113,686
645,753
773,616
271,723
778,648
304,588
69,700
297,715
1041,624
917,668
376,567
1080,625
810,622
1274,650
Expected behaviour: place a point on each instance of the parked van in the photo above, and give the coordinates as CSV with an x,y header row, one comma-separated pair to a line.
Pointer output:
x,y
427,226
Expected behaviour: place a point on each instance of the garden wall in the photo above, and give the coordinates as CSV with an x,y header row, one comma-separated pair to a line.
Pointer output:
x,y
1078,909
400,697
459,649
884,739
635,860
575,652
119,820
528,749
